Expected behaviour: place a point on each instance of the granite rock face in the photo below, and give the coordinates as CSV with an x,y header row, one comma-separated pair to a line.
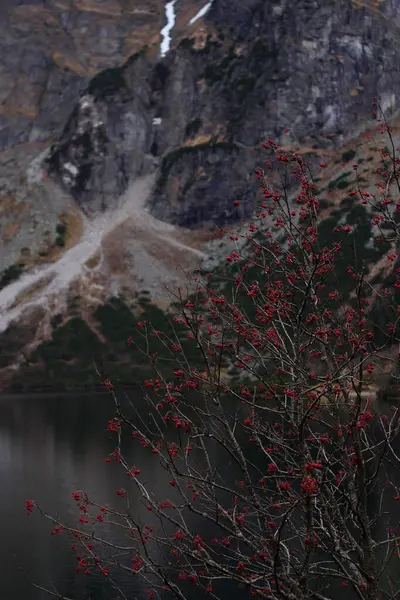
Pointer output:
x,y
49,50
243,71
55,55
82,81
246,70
107,139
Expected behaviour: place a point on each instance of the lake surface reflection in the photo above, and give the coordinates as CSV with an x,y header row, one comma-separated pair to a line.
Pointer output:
x,y
51,446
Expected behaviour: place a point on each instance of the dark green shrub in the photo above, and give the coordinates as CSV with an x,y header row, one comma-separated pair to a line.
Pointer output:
x,y
56,320
117,321
348,155
186,43
347,202
343,183
338,182
10,274
193,127
323,203
107,82
74,339
61,229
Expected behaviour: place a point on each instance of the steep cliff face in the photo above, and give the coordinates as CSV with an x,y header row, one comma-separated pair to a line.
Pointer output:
x,y
107,139
204,109
49,50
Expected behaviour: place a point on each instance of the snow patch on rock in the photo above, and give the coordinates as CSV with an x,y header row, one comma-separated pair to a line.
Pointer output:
x,y
201,13
165,32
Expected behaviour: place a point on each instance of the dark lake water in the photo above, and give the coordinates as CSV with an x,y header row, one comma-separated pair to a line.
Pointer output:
x,y
51,446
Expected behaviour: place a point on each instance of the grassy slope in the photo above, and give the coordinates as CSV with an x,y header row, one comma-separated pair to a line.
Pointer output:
x,y
68,359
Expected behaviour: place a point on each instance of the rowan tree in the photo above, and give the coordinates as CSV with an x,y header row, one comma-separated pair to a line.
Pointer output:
x,y
280,462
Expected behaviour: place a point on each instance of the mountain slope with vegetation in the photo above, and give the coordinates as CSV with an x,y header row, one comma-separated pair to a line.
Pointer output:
x,y
86,343
192,123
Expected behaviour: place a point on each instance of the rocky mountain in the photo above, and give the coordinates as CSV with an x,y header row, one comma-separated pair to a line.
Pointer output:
x,y
262,67
173,98
51,48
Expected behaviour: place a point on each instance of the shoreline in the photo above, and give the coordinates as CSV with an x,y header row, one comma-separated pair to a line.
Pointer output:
x,y
49,390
